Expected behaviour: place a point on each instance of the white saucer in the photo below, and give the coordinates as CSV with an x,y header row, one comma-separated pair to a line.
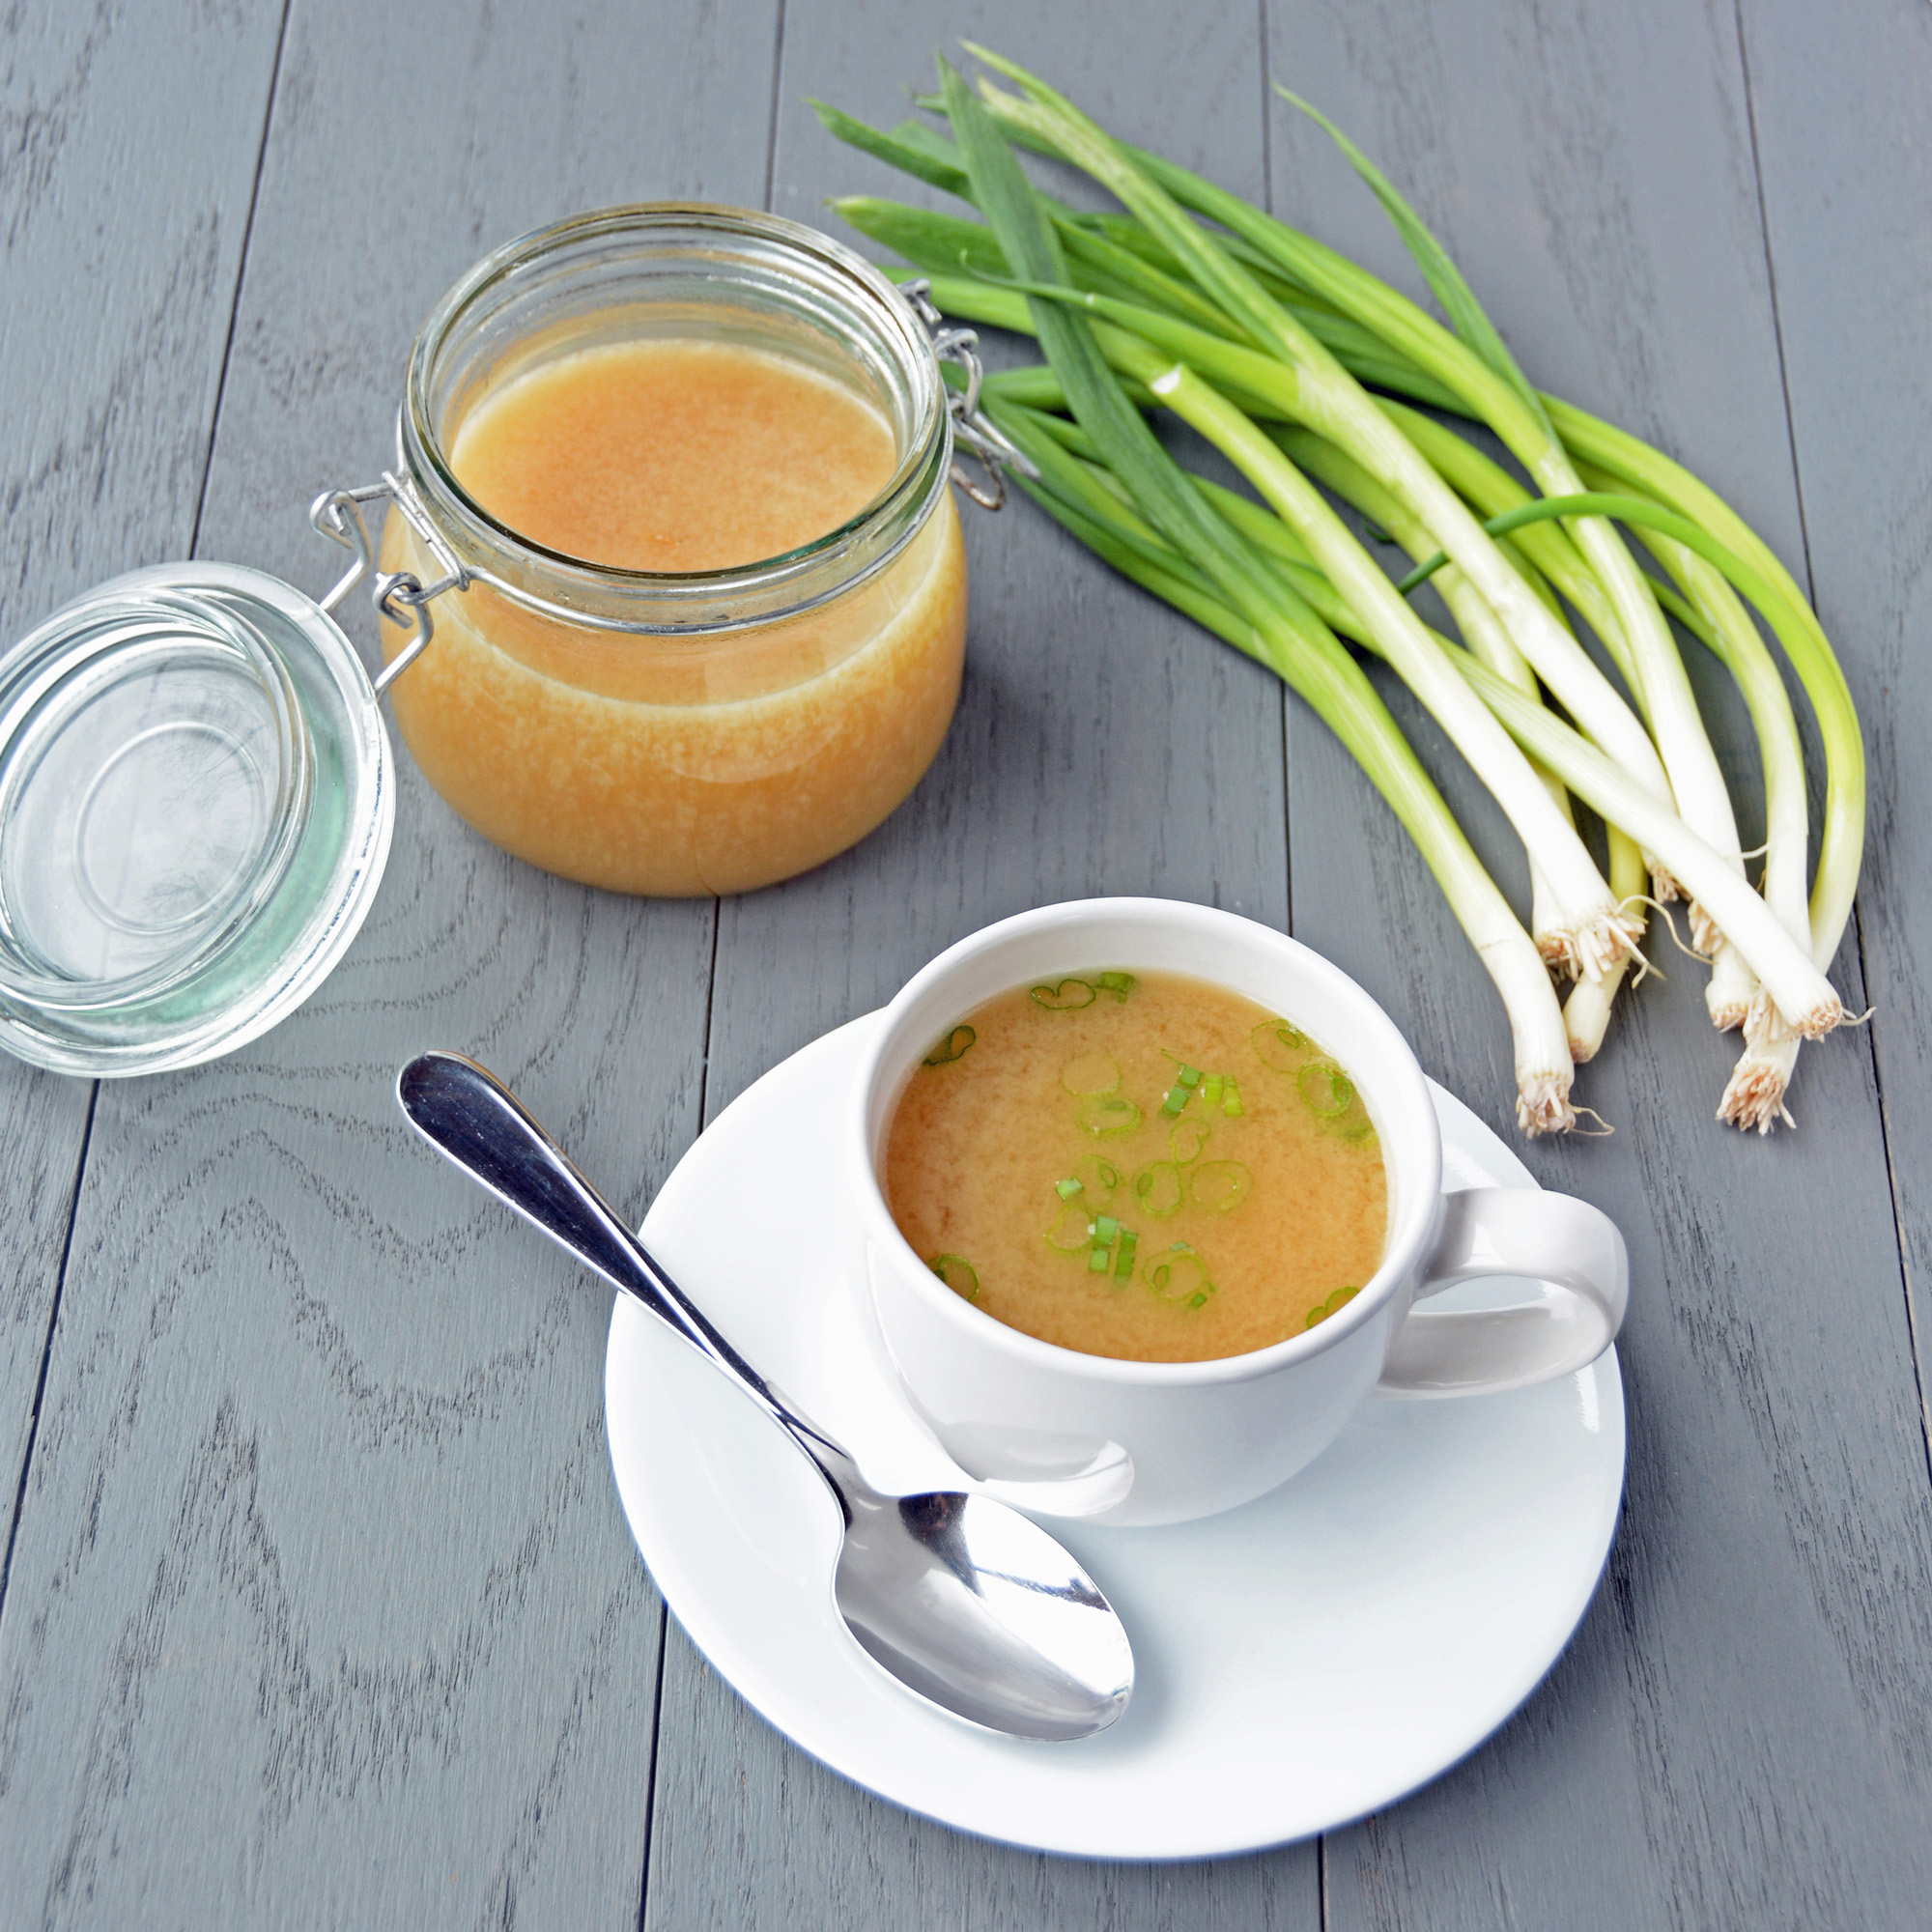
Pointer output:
x,y
1301,1660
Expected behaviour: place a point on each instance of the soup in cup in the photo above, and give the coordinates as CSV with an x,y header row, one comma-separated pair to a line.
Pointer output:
x,y
1083,1377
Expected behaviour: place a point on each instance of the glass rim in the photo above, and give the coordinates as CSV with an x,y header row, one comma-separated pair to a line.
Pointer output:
x,y
914,486
166,603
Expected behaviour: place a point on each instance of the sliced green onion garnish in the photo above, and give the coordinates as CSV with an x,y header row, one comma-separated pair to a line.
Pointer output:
x,y
1070,1230
1279,1047
1123,1261
957,1273
1098,1259
1217,1185
1178,1275
1185,1080
1230,1097
1068,997
1120,984
1066,1190
1197,1300
1159,1189
1321,1310
1109,1113
1091,1073
1098,1179
1325,1087
1210,1093
1104,1230
952,1047
1189,1136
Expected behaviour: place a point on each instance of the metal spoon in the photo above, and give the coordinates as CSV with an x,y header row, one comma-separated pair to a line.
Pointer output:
x,y
964,1601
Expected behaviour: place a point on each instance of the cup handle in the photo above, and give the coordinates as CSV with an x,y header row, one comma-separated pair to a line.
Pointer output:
x,y
1566,1246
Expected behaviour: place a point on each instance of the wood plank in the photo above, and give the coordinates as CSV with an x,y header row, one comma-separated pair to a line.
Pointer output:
x,y
1100,747
1738,1736
1853,259
322,1609
115,291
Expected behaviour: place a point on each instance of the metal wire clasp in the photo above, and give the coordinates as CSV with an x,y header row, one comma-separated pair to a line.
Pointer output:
x,y
399,595
970,427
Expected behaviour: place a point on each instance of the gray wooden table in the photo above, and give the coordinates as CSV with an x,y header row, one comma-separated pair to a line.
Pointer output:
x,y
318,1607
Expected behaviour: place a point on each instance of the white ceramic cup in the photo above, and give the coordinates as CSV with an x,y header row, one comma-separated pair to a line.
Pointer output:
x,y
1148,1442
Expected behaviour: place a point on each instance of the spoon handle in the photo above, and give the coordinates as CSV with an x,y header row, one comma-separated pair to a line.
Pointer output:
x,y
468,1116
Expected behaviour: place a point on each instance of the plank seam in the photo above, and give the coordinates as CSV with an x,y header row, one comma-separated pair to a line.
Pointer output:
x,y
241,277
47,1347
1268,142
1870,1042
1268,203
772,135
1770,280
651,1782
710,1007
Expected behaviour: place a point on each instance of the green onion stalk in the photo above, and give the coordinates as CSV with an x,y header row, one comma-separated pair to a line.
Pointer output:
x,y
1275,624
1302,651
1294,369
1489,384
1707,606
1586,931
1250,324
1546,551
1486,384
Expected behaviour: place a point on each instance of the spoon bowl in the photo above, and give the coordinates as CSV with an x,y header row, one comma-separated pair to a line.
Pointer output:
x,y
964,1601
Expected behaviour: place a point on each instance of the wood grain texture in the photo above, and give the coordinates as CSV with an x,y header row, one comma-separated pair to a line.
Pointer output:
x,y
116,286
1100,747
1593,175
323,1610
1853,255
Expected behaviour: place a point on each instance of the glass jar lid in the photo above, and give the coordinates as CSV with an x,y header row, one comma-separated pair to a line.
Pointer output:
x,y
196,804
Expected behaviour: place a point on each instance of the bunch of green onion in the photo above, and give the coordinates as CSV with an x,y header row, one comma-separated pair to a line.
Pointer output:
x,y
1288,358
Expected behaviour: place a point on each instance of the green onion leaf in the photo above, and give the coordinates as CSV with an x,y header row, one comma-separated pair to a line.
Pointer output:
x,y
952,1047
1325,1087
1124,1261
1197,1300
1279,1047
957,1273
1218,1186
1458,302
1066,1190
1210,1093
1091,1074
1120,984
1109,1113
1098,1178
1159,1189
1099,1260
1068,997
1230,1096
1321,1310
1179,1275
1070,1230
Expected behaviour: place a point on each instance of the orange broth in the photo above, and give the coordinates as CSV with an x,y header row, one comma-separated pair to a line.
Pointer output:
x,y
678,766
1143,1166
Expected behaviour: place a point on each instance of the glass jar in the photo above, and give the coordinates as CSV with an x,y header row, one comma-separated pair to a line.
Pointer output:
x,y
693,732
196,786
